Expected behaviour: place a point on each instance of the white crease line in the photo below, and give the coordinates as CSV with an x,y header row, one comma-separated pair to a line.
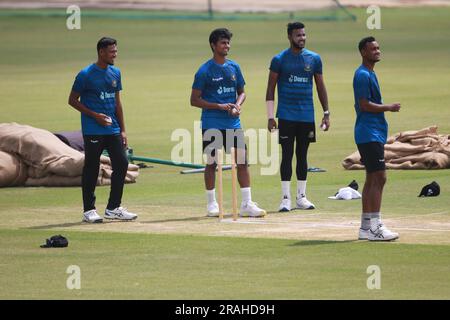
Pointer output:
x,y
418,229
420,215
321,225
265,221
285,222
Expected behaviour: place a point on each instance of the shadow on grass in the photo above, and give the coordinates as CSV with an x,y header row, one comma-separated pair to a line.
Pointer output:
x,y
281,213
61,225
320,242
277,212
177,220
75,224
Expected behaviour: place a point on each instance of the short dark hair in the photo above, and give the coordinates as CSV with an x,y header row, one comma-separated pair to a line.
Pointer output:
x,y
364,41
105,42
220,33
294,26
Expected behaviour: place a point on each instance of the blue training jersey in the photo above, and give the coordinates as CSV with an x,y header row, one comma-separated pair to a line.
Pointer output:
x,y
369,126
219,84
295,84
97,88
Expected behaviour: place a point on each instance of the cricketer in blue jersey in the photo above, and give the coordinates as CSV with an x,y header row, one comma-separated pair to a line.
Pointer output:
x,y
96,94
369,126
370,136
97,88
220,83
218,89
293,71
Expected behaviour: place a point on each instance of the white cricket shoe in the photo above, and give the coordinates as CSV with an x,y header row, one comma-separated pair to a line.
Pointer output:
x,y
251,209
363,234
119,213
285,205
304,204
91,216
212,209
381,233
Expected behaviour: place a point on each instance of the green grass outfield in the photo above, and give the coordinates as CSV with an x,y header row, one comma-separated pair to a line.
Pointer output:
x,y
172,251
145,266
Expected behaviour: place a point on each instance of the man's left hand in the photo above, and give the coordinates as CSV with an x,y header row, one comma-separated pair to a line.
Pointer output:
x,y
124,139
235,110
325,123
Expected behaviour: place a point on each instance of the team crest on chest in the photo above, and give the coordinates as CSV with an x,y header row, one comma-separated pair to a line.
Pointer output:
x,y
233,77
114,83
308,65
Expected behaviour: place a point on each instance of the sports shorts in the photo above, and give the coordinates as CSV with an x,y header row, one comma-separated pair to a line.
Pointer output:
x,y
291,130
372,156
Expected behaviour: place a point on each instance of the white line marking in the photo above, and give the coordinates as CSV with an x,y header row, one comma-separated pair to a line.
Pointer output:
x,y
302,225
421,215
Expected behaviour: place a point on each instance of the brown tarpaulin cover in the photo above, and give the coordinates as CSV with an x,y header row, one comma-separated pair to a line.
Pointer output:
x,y
421,149
35,157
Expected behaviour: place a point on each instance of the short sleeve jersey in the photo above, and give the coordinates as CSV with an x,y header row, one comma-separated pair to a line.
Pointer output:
x,y
97,88
369,126
295,84
219,84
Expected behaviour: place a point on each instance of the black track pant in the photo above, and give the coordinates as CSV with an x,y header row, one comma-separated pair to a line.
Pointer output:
x,y
93,148
301,152
301,134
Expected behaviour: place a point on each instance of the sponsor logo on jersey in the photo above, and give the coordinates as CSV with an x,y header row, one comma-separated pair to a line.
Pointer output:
x,y
293,78
107,95
225,90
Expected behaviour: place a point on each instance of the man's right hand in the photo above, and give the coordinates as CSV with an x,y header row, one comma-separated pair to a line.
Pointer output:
x,y
395,107
271,125
103,119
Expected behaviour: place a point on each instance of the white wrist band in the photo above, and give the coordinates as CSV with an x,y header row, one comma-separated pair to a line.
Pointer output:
x,y
270,109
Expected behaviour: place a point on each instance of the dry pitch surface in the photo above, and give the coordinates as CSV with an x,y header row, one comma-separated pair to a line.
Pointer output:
x,y
426,228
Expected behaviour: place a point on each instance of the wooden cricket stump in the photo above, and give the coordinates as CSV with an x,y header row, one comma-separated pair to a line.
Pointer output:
x,y
234,183
219,161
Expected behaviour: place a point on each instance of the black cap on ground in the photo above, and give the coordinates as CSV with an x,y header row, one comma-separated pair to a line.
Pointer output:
x,y
354,185
430,190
